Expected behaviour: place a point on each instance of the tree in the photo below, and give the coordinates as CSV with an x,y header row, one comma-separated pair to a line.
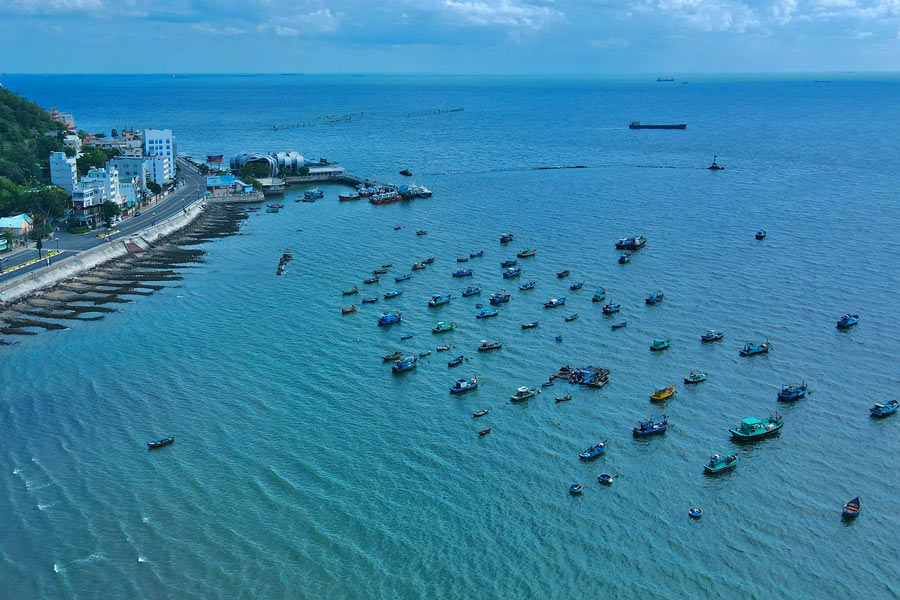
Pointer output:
x,y
154,187
110,210
204,169
256,169
304,171
253,181
93,157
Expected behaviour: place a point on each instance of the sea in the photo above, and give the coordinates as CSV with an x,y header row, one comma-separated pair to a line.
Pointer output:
x,y
303,468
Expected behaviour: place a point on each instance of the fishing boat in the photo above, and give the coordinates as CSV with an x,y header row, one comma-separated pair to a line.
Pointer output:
x,y
393,356
599,295
476,254
370,300
407,364
404,277
605,478
558,338
353,290
718,463
463,273
522,393
509,263
428,261
352,196
652,426
695,377
396,227
438,299
660,344
531,325
512,272
750,349
611,308
392,294
712,335
562,274
695,512
421,232
442,348
480,413
883,410
160,443
484,432
624,258
371,280
499,298
575,489
387,265
462,386
620,325
443,326
661,394
485,313
631,243
456,361
348,310
761,234
548,383
379,271
527,253
487,346
506,238
654,298
576,286
471,291
847,321
406,173
789,393
528,285
390,318
405,336
418,266
565,398
462,259
571,318
754,429
554,302
272,209
851,509
313,194
594,451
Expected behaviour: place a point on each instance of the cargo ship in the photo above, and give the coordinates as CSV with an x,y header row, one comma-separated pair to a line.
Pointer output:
x,y
639,125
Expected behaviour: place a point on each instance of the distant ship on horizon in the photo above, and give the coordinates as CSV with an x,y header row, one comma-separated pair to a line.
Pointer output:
x,y
663,79
639,125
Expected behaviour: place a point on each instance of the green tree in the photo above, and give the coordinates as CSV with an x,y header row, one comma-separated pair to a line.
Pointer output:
x,y
304,170
110,210
93,157
154,187
252,181
204,169
255,169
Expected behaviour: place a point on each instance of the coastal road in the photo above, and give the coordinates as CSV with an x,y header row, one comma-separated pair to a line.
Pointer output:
x,y
191,186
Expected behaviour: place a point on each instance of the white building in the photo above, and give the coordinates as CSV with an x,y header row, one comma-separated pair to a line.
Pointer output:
x,y
72,141
129,167
95,188
63,171
160,142
158,169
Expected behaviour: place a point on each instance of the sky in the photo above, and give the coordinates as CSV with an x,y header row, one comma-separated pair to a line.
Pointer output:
x,y
448,36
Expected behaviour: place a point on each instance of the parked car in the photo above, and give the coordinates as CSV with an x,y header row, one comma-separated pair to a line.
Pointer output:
x,y
137,213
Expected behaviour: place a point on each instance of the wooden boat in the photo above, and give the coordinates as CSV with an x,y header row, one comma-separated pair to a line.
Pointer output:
x,y
442,327
418,266
594,451
487,346
695,377
620,325
548,383
397,228
392,294
456,361
565,398
851,509
527,253
631,243
750,349
605,478
754,429
554,302
471,291
761,234
654,298
531,325
847,321
663,393
562,274
718,463
558,338
439,299
523,393
443,348
349,309
576,286
353,290
599,295
652,426
421,232
485,313
528,285
387,266
506,238
476,254
480,413
789,393
390,318
405,336
406,173
407,364
484,432
392,356
370,300
508,263
660,344
575,489
624,258
404,277
883,410
461,386
379,271
712,335
160,443
571,318
462,273
428,261
611,308
426,353
512,272
462,259
370,280
499,298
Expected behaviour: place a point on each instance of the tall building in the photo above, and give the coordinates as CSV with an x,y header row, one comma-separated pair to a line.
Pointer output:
x,y
63,171
131,167
158,169
160,142
95,188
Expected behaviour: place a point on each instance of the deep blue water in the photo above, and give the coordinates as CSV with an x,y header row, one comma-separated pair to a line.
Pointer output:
x,y
303,468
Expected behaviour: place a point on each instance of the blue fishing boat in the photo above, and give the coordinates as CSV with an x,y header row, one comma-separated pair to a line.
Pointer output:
x,y
407,364
462,259
575,489
558,338
599,295
456,361
883,410
563,274
392,294
528,285
789,393
404,277
522,393
605,478
487,346
390,318
428,261
531,325
851,509
752,428
421,232
712,335
438,299
513,272
373,279
476,254
571,318
485,312
499,298
652,426
847,321
314,194
554,302
593,451
654,298
506,238
462,273
461,386
761,234
405,336
548,383
471,291
576,286
718,463
631,243
611,308
624,258
750,349
509,263
660,344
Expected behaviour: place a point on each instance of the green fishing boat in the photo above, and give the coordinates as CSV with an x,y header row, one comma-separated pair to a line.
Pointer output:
x,y
695,377
599,295
718,463
754,429
660,344
441,327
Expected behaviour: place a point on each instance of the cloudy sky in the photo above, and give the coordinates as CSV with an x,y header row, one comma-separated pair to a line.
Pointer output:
x,y
448,36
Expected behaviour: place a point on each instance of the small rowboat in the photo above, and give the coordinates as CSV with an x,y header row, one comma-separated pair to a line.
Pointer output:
x,y
851,509
392,356
562,274
428,261
531,325
370,300
571,318
442,348
349,309
480,413
695,512
387,266
171,439
576,286
605,478
353,290
663,394
565,398
885,409
575,489
370,280
547,383
397,228
456,361
405,336
484,431
620,325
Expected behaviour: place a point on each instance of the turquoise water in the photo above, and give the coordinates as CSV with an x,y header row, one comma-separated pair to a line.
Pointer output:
x,y
304,468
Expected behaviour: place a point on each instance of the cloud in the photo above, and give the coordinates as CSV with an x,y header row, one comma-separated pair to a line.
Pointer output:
x,y
860,35
609,42
506,13
705,15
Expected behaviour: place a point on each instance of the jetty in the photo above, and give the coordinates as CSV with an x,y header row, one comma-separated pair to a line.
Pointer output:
x,y
595,377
